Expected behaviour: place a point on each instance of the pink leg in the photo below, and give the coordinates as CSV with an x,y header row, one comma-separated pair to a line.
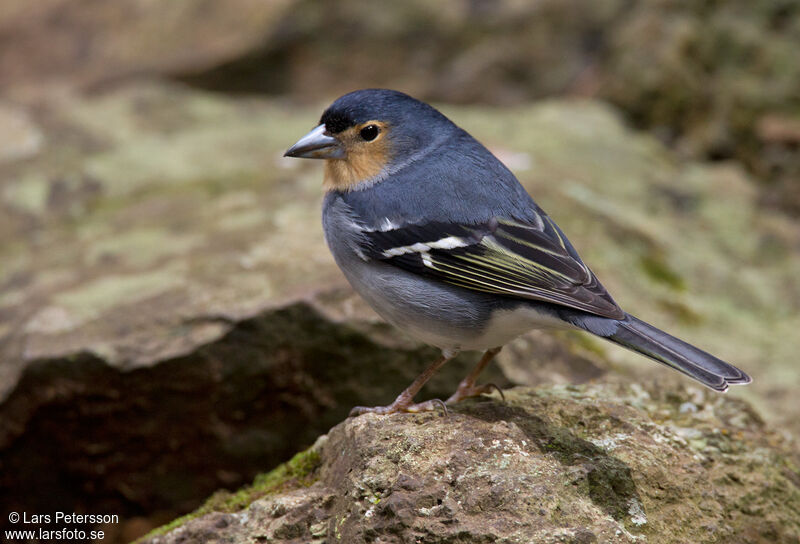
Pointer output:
x,y
467,387
405,401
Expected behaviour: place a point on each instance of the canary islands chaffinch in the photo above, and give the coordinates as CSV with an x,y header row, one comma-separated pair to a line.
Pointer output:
x,y
443,242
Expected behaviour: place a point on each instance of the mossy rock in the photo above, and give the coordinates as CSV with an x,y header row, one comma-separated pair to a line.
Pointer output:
x,y
570,464
160,293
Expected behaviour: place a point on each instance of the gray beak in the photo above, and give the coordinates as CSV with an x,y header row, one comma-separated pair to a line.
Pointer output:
x,y
316,145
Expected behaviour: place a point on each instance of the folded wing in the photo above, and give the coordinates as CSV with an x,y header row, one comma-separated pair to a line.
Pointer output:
x,y
525,260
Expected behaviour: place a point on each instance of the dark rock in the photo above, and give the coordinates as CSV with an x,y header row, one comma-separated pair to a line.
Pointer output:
x,y
519,486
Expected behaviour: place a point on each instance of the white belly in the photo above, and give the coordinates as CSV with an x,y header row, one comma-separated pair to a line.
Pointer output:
x,y
405,311
505,325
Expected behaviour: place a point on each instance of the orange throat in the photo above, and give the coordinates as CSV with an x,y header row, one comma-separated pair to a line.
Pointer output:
x,y
358,167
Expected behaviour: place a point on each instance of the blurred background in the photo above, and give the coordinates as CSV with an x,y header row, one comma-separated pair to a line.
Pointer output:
x,y
171,322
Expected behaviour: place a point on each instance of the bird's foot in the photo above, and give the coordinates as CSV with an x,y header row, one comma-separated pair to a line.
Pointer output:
x,y
400,405
467,389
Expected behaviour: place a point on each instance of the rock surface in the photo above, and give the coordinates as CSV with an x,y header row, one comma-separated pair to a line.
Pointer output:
x,y
611,463
717,80
57,44
168,306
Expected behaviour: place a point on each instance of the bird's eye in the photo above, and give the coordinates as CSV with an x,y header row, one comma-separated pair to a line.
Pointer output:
x,y
369,132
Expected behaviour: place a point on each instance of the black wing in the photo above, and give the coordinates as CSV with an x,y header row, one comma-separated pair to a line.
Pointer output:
x,y
512,258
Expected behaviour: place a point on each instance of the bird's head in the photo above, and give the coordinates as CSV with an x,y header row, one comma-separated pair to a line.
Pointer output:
x,y
366,135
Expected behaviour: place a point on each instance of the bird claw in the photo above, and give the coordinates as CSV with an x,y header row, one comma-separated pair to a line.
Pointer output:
x,y
395,407
468,390
497,388
429,406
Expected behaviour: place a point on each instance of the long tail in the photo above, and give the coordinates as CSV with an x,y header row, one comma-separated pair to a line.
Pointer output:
x,y
644,338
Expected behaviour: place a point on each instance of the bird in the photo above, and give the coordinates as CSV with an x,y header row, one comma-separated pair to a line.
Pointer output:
x,y
444,243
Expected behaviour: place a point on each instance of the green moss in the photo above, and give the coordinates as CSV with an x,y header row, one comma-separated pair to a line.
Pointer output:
x,y
299,471
582,341
658,270
680,310
93,298
29,194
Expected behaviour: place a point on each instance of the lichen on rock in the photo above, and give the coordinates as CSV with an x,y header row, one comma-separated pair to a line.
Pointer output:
x,y
597,463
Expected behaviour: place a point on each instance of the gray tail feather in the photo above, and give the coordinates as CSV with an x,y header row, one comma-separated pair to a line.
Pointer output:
x,y
644,338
